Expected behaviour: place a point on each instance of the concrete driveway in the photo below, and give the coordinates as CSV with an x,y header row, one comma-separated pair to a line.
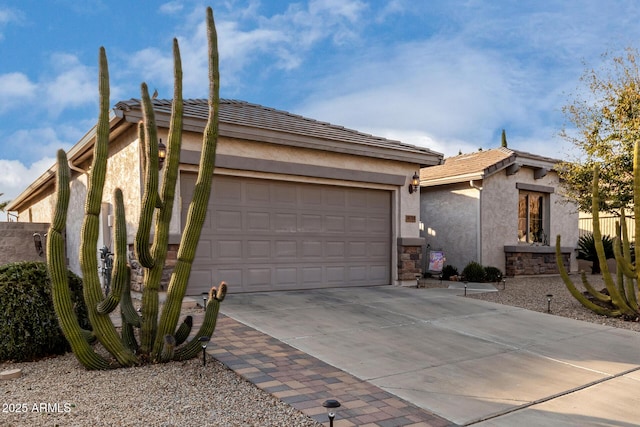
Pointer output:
x,y
466,360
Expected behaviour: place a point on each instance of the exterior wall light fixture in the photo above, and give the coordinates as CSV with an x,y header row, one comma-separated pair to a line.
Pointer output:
x,y
414,185
162,153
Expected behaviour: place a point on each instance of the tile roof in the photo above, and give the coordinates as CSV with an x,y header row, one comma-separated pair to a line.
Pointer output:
x,y
480,164
241,113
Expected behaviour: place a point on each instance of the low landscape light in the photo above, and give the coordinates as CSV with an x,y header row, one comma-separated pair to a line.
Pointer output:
x,y
204,300
203,342
331,406
549,297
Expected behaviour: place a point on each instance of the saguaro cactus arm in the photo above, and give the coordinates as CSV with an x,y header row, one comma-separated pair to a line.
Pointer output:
x,y
575,292
191,349
153,275
616,298
56,263
120,265
102,324
198,207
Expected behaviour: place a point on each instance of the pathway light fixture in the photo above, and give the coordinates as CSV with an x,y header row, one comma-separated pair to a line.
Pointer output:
x,y
203,342
331,405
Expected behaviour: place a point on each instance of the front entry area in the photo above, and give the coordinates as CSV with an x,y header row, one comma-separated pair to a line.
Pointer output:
x,y
267,235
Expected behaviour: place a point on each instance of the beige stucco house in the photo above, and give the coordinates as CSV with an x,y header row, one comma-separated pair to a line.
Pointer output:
x,y
296,203
498,207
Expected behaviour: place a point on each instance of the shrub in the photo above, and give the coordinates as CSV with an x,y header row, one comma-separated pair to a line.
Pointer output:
x,y
587,250
492,274
448,271
28,324
474,272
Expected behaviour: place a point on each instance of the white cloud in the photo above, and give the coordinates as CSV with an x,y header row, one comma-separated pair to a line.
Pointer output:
x,y
37,143
171,7
74,84
8,16
16,176
15,87
246,38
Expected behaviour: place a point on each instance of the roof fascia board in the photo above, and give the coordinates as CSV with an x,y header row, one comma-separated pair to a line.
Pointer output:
x,y
77,152
400,153
452,179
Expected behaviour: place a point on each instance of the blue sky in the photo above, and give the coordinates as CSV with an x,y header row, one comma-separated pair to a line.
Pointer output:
x,y
448,75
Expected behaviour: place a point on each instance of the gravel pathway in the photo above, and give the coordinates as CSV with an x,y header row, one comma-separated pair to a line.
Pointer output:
x,y
58,391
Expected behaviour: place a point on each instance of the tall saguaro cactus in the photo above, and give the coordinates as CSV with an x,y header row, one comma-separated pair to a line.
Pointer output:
x,y
622,295
160,340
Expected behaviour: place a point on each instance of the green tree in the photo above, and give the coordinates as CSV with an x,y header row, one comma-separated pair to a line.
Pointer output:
x,y
4,204
504,139
605,123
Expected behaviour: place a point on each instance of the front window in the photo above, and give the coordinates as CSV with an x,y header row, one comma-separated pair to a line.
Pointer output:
x,y
531,217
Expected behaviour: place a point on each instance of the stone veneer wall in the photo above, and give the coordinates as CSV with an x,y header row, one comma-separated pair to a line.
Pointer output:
x,y
16,241
532,260
409,258
137,272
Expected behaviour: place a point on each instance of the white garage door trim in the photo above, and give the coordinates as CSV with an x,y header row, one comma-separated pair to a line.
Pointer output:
x,y
265,235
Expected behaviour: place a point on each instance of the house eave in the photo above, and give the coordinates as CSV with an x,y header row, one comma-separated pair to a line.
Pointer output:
x,y
453,179
401,153
77,154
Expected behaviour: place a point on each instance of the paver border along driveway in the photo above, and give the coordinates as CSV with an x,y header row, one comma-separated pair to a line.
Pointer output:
x,y
469,361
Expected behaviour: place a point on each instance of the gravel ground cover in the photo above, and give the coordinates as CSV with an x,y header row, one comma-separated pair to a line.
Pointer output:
x,y
58,391
530,293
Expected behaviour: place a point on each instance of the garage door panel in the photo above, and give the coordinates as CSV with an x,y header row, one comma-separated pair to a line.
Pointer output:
x,y
201,279
336,274
377,225
335,223
228,250
286,276
310,223
311,248
285,195
204,250
227,220
378,249
228,192
312,275
285,249
275,235
285,222
357,273
258,250
257,276
335,249
357,249
257,194
379,272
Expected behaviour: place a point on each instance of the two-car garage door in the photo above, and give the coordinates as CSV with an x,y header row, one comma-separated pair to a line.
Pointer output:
x,y
264,235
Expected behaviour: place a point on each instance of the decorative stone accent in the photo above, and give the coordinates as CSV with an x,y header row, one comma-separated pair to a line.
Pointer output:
x,y
532,260
10,374
409,258
137,272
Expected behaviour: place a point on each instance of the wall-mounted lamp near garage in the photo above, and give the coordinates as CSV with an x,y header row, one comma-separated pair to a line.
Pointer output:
x,y
162,153
414,184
